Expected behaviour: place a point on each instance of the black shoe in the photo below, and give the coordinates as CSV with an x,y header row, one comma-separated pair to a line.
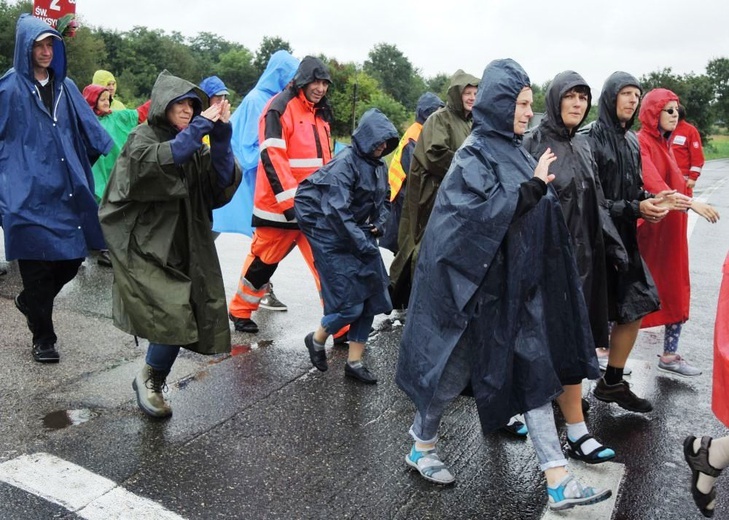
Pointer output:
x,y
318,357
516,428
622,395
45,353
341,341
23,309
104,259
360,373
244,324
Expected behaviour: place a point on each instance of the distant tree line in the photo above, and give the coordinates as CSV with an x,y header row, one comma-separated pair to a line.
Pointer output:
x,y
386,80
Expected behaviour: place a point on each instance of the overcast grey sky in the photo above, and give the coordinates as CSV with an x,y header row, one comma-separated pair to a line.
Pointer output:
x,y
592,37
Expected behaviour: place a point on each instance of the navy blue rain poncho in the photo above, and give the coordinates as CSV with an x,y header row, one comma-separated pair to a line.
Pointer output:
x,y
336,207
506,287
47,205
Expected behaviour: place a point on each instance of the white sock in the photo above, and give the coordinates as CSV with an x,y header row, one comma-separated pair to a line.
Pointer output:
x,y
718,458
317,346
576,431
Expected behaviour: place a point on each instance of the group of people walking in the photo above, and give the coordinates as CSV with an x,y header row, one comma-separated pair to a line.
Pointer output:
x,y
519,256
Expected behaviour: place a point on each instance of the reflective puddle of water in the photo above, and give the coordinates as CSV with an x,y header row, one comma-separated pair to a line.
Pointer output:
x,y
64,418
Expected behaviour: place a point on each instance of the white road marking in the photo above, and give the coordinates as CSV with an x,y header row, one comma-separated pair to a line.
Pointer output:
x,y
87,494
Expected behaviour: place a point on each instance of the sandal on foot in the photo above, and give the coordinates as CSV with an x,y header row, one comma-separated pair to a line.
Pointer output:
x,y
596,456
699,463
429,466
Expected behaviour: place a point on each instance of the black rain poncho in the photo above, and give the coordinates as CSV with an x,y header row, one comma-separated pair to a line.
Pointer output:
x,y
337,205
631,291
506,288
581,198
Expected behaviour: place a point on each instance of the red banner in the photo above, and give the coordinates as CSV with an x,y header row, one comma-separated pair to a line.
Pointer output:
x,y
50,11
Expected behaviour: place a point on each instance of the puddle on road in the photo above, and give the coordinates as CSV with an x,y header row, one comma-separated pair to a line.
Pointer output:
x,y
63,418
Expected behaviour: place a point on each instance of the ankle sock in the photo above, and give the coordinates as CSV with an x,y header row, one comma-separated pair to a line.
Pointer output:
x,y
317,346
355,364
576,431
718,458
613,375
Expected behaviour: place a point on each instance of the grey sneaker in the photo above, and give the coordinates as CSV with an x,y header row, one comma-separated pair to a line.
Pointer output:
x,y
678,366
270,302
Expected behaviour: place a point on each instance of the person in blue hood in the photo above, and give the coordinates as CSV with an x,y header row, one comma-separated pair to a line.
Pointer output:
x,y
237,215
496,303
341,209
49,139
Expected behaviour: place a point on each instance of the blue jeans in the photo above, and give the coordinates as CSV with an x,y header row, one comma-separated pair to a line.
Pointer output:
x,y
161,357
456,376
359,324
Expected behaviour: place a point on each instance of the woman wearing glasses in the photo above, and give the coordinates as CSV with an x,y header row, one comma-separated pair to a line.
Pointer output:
x,y
664,244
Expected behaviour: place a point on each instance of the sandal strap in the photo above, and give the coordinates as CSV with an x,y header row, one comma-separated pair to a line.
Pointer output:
x,y
577,446
699,461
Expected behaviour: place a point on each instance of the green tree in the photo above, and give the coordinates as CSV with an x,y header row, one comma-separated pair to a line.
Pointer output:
x,y
718,72
85,54
438,84
207,49
395,73
9,14
237,71
269,45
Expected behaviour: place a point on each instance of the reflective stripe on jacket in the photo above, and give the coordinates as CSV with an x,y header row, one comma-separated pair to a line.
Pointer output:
x,y
295,142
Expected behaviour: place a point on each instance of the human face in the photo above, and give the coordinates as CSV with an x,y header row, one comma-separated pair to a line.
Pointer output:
x,y
316,90
112,87
468,97
668,120
377,152
572,108
523,112
627,103
43,53
179,114
102,105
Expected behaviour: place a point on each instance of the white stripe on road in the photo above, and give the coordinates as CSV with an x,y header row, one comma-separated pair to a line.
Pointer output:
x,y
605,475
87,494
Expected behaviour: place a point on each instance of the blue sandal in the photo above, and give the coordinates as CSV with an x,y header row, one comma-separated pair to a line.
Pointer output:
x,y
596,456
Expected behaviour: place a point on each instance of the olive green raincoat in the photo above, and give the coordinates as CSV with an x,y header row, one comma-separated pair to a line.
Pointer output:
x,y
156,217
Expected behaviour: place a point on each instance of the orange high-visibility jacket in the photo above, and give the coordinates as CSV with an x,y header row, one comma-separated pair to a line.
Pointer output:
x,y
687,149
295,141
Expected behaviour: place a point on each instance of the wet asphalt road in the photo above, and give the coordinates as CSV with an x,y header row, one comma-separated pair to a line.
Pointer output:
x,y
261,434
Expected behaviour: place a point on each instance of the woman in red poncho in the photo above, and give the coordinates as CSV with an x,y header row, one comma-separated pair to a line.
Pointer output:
x,y
664,244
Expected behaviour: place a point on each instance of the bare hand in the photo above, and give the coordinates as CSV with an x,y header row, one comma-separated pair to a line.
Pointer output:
x,y
673,201
542,169
690,183
705,210
651,211
212,112
224,111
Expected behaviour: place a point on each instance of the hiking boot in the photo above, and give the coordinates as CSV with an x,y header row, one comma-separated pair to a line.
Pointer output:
x,y
149,386
622,395
359,372
24,310
570,493
270,302
45,353
429,466
243,324
678,366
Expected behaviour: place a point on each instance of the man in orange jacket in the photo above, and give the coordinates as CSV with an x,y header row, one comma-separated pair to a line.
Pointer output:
x,y
295,141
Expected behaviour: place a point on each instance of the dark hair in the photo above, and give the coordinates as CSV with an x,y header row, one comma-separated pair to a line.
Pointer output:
x,y
681,112
580,89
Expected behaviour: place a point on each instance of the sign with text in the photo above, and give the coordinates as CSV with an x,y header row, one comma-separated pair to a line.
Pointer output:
x,y
50,11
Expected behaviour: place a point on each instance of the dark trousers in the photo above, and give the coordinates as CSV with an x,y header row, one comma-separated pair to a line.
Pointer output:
x,y
42,281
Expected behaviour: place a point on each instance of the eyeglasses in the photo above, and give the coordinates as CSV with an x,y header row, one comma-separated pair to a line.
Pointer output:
x,y
670,111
